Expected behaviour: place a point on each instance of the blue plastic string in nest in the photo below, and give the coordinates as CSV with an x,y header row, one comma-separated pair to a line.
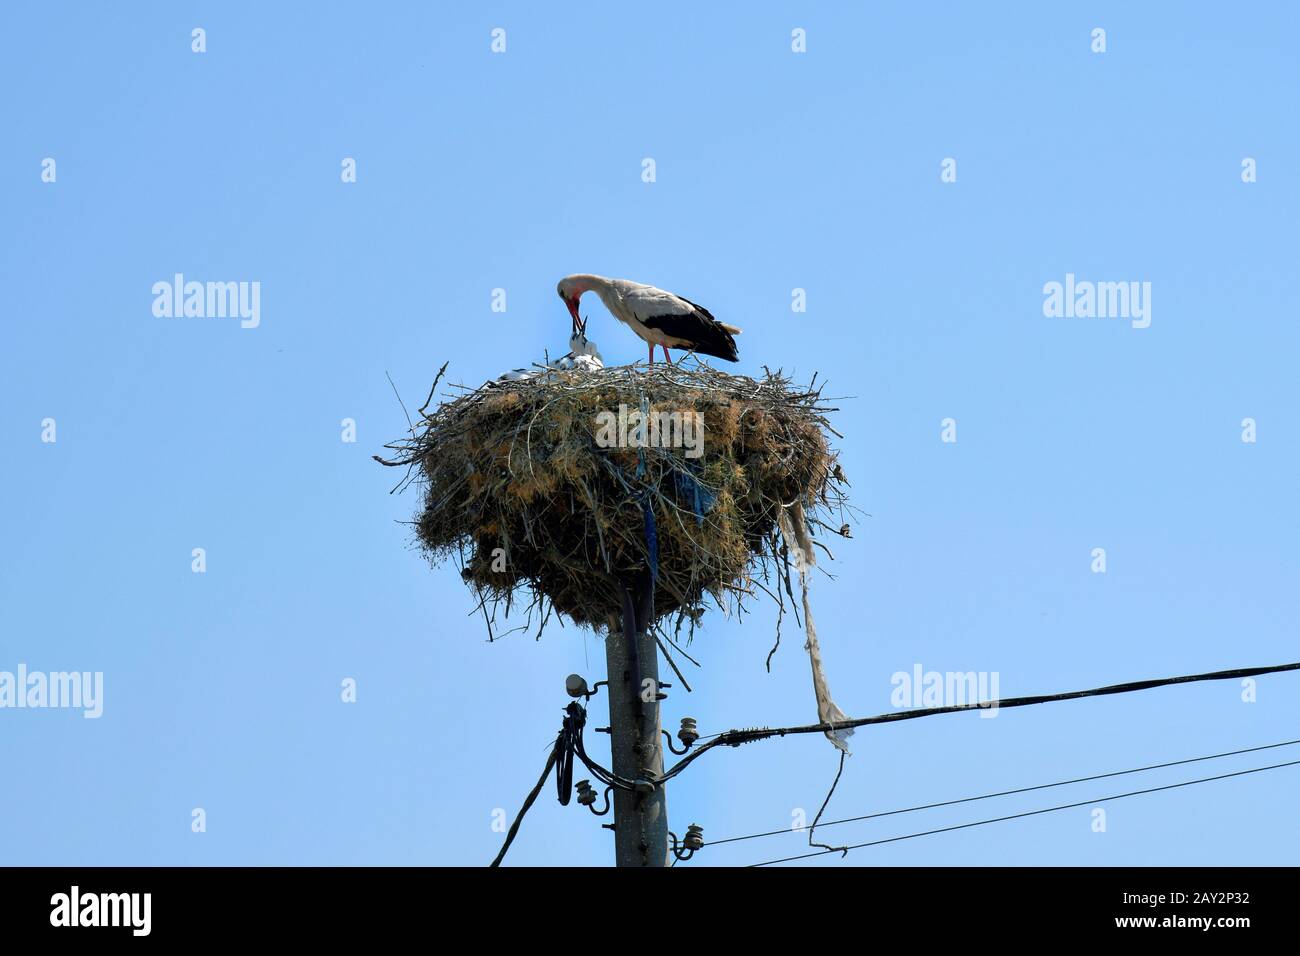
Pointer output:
x,y
640,448
651,532
651,535
701,498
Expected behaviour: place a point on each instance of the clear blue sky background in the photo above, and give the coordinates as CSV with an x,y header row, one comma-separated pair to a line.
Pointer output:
x,y
775,171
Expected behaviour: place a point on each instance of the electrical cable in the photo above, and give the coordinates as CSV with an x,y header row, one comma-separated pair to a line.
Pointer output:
x,y
1005,793
734,738
1031,813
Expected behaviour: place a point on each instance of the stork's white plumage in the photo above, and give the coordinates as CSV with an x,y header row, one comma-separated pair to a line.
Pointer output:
x,y
658,317
583,356
580,346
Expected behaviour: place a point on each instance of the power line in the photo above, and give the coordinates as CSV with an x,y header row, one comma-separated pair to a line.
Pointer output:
x,y
825,804
528,802
1006,793
1031,813
569,742
734,738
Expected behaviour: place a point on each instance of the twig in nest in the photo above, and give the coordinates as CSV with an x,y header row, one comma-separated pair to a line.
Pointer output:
x,y
673,664
436,379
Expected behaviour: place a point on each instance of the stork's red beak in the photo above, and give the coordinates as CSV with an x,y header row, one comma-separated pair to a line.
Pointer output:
x,y
573,311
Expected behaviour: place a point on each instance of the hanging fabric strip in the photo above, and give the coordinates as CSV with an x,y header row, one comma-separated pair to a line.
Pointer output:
x,y
795,531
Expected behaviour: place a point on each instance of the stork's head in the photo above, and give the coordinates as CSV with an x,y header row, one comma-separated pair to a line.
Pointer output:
x,y
570,289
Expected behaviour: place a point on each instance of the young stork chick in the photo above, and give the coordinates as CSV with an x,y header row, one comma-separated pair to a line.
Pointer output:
x,y
658,317
582,349
583,355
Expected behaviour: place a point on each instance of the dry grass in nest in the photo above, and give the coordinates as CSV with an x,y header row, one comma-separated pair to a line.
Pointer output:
x,y
518,489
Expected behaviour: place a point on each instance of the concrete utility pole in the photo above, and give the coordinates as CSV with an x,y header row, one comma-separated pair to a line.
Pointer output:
x,y
636,743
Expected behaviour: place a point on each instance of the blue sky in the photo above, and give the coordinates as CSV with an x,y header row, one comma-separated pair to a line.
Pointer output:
x,y
775,170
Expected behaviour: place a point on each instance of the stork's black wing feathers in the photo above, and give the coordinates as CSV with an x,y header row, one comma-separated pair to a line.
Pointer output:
x,y
699,308
704,333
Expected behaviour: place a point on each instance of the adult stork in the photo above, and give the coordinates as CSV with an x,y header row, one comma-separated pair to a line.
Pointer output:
x,y
658,317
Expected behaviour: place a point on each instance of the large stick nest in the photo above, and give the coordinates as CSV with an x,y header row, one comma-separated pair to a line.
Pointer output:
x,y
519,488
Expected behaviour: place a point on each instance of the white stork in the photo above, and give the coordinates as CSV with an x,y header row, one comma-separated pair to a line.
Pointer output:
x,y
658,317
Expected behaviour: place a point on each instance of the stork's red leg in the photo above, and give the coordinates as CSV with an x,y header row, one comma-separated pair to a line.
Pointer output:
x,y
668,358
651,346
